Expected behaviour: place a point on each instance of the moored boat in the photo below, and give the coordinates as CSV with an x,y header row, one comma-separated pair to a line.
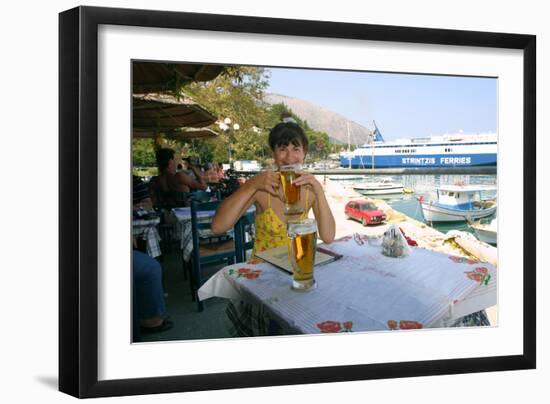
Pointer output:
x,y
457,203
350,177
486,232
385,186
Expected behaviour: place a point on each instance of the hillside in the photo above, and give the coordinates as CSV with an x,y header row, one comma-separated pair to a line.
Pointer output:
x,y
322,119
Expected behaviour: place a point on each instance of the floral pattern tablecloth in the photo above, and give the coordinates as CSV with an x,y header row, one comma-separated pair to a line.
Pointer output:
x,y
363,291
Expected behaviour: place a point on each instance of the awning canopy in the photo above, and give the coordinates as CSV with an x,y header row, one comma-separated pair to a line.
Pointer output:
x,y
178,134
163,112
156,77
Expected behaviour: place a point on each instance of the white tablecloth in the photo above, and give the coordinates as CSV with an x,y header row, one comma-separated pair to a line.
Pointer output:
x,y
364,290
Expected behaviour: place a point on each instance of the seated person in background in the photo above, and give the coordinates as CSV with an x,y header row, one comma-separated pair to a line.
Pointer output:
x,y
220,172
169,180
288,143
186,163
148,296
211,175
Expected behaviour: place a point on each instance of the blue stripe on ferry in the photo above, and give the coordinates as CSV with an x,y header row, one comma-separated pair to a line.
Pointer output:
x,y
427,160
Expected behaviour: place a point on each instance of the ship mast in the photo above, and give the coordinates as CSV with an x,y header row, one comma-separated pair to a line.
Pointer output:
x,y
372,145
349,146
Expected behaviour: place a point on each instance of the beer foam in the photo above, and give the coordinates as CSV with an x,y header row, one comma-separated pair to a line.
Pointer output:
x,y
302,228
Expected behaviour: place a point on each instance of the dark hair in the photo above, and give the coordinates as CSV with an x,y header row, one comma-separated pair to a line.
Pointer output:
x,y
285,133
163,157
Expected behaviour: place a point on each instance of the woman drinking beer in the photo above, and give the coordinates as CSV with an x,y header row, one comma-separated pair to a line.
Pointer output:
x,y
266,190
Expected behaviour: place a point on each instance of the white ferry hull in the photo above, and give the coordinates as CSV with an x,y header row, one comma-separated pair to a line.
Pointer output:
x,y
457,150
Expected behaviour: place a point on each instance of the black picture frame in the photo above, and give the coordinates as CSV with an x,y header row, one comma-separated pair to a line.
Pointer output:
x,y
78,180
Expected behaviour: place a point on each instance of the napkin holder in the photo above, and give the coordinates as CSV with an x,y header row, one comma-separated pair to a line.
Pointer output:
x,y
394,243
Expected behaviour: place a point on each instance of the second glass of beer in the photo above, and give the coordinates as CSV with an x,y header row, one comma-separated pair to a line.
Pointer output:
x,y
291,192
302,245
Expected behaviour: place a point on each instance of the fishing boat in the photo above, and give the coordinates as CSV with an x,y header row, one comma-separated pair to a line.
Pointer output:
x,y
457,203
446,150
486,232
385,186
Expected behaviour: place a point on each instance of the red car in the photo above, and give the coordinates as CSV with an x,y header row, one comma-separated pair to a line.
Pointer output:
x,y
364,211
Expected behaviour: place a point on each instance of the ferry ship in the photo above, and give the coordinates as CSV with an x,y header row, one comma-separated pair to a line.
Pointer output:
x,y
458,150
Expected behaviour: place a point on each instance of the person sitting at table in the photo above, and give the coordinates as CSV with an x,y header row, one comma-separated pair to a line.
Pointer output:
x,y
220,171
210,175
169,180
288,144
186,163
148,296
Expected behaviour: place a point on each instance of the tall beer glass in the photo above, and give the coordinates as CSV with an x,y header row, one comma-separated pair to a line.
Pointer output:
x,y
302,244
292,192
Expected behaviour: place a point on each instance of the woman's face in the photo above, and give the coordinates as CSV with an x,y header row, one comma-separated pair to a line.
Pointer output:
x,y
289,154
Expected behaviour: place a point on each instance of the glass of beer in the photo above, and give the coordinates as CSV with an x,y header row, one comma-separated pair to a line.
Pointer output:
x,y
302,244
291,192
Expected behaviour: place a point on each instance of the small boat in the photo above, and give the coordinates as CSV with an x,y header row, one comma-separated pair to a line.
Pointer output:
x,y
456,203
486,232
343,177
385,186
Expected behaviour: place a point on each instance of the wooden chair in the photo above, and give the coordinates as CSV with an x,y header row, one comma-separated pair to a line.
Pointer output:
x,y
242,228
206,251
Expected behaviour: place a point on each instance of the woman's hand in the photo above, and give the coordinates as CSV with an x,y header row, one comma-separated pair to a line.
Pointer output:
x,y
268,181
306,178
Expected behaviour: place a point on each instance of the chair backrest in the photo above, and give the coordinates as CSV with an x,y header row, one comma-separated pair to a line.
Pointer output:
x,y
198,260
204,196
199,226
178,199
242,245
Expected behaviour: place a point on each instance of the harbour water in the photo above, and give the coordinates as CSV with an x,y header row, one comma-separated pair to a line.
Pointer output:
x,y
425,186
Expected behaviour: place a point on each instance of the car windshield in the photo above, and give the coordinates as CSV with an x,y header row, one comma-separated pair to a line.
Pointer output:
x,y
368,206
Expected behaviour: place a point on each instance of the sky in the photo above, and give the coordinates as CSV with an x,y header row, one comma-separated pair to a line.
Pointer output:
x,y
403,105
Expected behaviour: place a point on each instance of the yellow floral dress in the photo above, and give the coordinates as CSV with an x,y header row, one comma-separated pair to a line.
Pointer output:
x,y
270,229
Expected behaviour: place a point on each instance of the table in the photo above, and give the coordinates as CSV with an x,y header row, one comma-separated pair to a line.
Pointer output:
x,y
147,230
364,290
185,230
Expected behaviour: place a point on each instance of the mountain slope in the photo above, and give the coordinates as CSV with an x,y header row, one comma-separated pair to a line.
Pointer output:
x,y
322,119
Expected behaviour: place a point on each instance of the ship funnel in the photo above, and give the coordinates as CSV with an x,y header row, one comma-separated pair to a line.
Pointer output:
x,y
377,136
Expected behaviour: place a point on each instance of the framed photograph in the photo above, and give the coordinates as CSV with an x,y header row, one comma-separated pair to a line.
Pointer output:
x,y
101,88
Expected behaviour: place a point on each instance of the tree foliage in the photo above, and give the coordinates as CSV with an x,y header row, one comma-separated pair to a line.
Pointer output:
x,y
237,93
143,153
